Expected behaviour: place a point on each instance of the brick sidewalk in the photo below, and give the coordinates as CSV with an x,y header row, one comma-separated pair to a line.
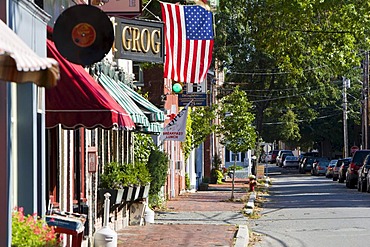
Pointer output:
x,y
202,235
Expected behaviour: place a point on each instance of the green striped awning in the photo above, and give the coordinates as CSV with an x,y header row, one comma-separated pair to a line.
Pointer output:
x,y
158,115
117,92
154,128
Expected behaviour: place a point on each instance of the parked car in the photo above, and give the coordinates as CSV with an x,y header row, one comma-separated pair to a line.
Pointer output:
x,y
354,166
306,164
337,167
274,155
319,166
330,170
281,156
343,169
362,174
268,157
290,161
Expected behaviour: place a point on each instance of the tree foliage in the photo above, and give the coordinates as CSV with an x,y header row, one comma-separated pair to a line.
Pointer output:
x,y
201,124
235,129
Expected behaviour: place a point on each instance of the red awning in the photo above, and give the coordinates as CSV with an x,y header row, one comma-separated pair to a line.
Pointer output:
x,y
79,101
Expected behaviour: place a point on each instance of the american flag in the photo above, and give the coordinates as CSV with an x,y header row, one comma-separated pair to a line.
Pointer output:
x,y
189,42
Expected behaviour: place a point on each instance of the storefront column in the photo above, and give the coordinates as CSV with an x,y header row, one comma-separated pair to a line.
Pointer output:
x,y
5,213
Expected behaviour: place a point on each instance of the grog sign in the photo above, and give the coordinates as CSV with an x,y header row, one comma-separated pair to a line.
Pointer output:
x,y
139,40
143,40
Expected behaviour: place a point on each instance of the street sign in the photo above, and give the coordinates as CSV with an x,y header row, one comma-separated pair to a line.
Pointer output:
x,y
198,99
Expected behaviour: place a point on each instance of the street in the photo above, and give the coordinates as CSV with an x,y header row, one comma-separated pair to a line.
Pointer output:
x,y
305,210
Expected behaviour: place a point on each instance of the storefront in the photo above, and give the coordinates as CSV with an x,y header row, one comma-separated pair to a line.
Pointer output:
x,y
22,61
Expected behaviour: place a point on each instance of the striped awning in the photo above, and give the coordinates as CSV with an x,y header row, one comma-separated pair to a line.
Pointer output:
x,y
111,86
154,128
158,115
19,63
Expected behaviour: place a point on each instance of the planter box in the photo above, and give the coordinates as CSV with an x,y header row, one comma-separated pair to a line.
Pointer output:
x,y
203,186
144,191
127,194
115,198
135,193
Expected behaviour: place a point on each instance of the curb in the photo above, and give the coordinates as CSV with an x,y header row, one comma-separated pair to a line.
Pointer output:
x,y
250,204
242,237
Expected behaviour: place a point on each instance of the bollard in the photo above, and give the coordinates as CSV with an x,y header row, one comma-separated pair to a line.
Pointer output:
x,y
105,237
252,183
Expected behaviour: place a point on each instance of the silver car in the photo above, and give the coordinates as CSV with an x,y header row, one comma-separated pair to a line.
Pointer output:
x,y
291,161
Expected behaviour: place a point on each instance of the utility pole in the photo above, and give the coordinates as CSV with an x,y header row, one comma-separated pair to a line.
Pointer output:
x,y
346,83
365,86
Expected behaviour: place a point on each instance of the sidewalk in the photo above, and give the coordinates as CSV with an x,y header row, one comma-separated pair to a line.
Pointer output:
x,y
203,218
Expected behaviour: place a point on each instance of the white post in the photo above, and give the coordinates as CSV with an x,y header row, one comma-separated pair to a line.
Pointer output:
x,y
345,129
172,169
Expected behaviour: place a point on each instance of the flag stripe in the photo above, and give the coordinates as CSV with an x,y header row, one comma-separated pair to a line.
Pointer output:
x,y
189,42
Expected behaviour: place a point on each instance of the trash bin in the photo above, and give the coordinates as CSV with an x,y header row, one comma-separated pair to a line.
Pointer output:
x,y
149,215
105,237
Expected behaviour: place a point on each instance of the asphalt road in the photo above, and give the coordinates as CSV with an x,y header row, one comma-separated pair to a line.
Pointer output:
x,y
304,210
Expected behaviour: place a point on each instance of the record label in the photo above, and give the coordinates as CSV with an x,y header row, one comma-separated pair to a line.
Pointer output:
x,y
83,35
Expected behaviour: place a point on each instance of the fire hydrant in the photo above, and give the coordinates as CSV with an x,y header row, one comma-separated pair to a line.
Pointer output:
x,y
252,183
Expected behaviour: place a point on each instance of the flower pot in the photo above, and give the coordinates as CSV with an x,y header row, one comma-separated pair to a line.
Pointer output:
x,y
203,186
127,194
144,191
116,195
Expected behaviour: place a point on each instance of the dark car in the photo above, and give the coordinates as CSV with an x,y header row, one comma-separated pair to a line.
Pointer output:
x,y
362,174
352,170
337,167
306,164
343,169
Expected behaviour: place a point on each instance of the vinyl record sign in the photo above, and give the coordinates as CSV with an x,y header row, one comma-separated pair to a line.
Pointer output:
x,y
83,34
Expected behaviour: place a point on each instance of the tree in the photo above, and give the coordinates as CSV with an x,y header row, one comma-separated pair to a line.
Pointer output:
x,y
290,55
236,129
201,123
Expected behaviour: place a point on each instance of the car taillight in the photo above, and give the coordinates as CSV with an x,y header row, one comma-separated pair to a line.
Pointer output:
x,y
352,167
320,168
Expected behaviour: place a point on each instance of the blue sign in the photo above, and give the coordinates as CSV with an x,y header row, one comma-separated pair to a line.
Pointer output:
x,y
199,99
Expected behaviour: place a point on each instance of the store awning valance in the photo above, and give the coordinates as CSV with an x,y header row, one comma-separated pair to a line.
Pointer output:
x,y
154,128
79,100
124,100
156,115
19,63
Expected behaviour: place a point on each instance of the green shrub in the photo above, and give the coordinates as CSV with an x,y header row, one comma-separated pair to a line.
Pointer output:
x,y
187,181
112,177
158,167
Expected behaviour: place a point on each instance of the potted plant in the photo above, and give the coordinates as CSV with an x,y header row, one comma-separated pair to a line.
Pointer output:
x,y
216,174
129,182
204,184
144,179
111,182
